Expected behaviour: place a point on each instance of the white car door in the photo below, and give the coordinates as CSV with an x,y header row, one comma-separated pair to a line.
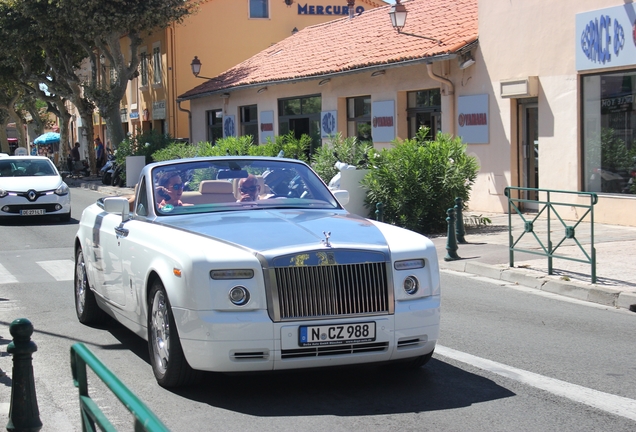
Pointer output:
x,y
108,265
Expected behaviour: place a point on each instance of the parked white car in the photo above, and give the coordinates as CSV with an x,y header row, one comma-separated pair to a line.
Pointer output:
x,y
32,186
286,279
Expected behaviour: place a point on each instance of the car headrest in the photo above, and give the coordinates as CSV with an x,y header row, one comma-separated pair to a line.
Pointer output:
x,y
215,186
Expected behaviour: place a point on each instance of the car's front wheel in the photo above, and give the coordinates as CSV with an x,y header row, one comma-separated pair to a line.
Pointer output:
x,y
86,308
169,365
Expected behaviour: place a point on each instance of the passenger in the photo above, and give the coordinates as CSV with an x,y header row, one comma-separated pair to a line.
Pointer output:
x,y
249,188
169,190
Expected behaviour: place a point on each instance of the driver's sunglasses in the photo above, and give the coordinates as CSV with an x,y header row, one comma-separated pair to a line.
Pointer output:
x,y
177,186
248,189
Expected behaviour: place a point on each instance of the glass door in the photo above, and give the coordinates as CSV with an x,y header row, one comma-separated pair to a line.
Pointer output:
x,y
529,152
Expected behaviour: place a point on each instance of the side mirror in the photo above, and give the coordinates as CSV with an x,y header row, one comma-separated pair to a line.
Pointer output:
x,y
342,196
117,205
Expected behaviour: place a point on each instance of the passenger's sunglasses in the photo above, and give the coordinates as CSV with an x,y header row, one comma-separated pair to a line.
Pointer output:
x,y
249,189
177,186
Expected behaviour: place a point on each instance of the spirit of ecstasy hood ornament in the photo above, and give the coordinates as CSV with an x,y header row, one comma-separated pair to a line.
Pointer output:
x,y
325,242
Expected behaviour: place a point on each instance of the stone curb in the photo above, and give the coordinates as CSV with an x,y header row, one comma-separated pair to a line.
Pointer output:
x,y
593,293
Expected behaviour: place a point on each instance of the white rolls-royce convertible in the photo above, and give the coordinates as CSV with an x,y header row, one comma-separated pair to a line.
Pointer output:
x,y
234,264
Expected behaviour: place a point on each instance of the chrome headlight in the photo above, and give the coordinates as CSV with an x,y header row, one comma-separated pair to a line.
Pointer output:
x,y
411,285
62,190
3,193
239,295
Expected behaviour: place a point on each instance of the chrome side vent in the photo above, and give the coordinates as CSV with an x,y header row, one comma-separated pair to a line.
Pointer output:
x,y
252,355
411,342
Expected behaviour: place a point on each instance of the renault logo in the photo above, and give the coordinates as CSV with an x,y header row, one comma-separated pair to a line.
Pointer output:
x,y
31,195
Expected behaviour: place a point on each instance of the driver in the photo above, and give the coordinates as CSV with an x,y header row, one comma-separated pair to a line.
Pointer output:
x,y
249,188
169,190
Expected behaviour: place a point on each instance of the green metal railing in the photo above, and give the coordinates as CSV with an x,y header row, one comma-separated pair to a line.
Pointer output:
x,y
550,209
81,357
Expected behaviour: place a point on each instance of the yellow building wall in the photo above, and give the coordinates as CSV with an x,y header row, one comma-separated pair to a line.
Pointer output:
x,y
221,35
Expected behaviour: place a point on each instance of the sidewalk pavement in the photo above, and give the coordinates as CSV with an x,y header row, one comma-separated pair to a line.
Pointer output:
x,y
487,253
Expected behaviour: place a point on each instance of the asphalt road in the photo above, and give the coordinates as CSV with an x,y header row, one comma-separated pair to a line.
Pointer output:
x,y
508,359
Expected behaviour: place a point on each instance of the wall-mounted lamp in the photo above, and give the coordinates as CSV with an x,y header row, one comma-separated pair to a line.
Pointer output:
x,y
196,68
466,60
261,90
323,82
294,30
398,14
378,73
289,2
225,96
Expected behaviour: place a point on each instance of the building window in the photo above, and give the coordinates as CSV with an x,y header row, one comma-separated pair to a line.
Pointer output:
x,y
249,122
259,9
609,123
215,125
156,65
301,116
424,109
359,117
143,68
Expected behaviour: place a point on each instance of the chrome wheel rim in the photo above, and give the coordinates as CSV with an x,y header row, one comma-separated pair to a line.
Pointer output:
x,y
160,332
81,284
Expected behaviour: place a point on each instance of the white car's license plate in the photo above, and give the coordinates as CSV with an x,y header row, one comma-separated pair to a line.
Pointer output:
x,y
32,212
336,334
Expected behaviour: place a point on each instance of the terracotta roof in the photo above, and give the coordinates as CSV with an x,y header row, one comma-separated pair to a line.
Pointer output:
x,y
347,44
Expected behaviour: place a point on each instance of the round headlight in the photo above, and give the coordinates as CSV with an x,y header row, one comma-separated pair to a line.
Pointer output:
x,y
239,295
411,285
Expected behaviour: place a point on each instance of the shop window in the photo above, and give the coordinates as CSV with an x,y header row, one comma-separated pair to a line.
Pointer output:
x,y
609,120
249,122
359,117
156,65
259,8
214,125
424,110
301,116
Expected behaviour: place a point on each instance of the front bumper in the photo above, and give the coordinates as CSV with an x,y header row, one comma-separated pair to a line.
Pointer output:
x,y
50,204
250,341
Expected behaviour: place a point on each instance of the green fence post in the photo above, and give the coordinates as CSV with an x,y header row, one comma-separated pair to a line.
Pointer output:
x,y
451,242
459,223
378,212
24,414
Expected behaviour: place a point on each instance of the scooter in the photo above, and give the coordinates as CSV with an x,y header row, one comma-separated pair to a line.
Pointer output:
x,y
118,176
108,169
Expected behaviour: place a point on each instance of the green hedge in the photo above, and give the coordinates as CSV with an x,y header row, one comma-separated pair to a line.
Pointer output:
x,y
418,180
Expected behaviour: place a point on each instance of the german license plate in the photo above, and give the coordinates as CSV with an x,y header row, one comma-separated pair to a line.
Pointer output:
x,y
32,212
336,334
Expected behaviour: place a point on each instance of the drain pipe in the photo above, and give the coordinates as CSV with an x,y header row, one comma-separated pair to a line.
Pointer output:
x,y
451,92
189,119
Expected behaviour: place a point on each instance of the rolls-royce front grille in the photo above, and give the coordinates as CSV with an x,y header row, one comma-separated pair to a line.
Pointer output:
x,y
332,290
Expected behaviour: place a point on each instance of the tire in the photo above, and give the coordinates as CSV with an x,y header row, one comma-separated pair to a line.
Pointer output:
x,y
169,365
116,180
86,308
106,178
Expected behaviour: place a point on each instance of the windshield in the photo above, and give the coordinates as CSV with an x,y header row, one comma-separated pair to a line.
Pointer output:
x,y
226,184
26,167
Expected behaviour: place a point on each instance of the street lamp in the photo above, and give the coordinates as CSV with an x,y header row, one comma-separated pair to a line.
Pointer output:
x,y
196,68
398,20
398,15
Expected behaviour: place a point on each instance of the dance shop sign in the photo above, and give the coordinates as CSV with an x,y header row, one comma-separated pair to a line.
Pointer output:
x,y
472,119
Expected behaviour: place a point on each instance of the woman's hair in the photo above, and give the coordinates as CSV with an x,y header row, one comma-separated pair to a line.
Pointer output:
x,y
163,178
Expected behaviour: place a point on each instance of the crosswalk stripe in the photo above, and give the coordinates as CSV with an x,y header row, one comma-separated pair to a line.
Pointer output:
x,y
61,270
6,277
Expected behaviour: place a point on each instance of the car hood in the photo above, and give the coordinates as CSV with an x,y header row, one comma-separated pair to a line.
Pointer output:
x,y
266,230
24,184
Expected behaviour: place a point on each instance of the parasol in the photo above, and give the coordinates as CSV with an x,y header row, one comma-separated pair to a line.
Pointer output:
x,y
47,138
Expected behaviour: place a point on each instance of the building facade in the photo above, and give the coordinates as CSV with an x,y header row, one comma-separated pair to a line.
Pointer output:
x,y
543,103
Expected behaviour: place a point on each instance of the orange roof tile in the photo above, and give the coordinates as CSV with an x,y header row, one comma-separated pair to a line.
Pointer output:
x,y
347,44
